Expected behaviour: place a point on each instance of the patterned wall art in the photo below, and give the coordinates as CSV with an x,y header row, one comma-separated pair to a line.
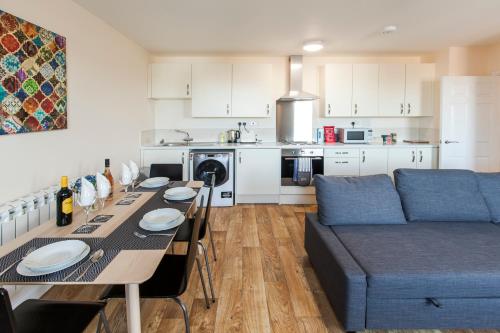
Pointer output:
x,y
32,77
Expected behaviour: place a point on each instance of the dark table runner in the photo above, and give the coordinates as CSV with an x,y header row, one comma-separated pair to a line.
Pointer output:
x,y
91,275
123,237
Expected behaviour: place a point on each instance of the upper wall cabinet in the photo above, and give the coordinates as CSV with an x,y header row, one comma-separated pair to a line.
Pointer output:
x,y
419,98
170,81
392,90
338,90
252,90
211,96
365,90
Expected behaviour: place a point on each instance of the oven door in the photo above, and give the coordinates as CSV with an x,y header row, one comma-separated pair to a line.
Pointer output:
x,y
292,170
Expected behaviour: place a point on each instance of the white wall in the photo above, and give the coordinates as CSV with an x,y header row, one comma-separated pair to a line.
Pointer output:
x,y
171,114
107,105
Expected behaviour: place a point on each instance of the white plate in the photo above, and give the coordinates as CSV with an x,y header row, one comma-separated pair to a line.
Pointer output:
x,y
161,216
159,227
25,271
154,182
178,191
55,255
180,197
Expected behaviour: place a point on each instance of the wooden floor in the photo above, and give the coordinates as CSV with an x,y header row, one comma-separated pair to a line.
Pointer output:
x,y
263,280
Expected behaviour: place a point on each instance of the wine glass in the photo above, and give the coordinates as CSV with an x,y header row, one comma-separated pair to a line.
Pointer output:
x,y
86,205
126,183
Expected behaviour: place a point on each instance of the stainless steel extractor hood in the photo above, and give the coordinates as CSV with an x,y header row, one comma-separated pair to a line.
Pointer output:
x,y
295,110
296,93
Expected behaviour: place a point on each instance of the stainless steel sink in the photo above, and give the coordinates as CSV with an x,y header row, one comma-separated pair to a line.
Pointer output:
x,y
173,144
184,144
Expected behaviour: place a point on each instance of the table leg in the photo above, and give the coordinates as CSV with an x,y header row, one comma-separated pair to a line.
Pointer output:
x,y
133,308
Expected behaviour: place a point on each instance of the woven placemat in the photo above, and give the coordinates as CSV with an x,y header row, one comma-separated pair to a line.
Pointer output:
x,y
95,243
86,229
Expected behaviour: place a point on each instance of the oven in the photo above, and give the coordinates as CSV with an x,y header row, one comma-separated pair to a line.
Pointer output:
x,y
299,165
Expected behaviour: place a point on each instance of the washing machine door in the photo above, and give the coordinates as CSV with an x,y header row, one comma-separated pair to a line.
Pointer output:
x,y
205,169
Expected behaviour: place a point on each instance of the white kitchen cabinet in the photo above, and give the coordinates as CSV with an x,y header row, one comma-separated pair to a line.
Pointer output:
x,y
392,80
258,175
419,96
365,87
373,161
167,156
252,90
211,93
341,166
338,90
412,158
170,81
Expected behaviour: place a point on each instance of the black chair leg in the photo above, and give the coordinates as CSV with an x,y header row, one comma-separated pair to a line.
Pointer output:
x,y
211,240
200,271
209,271
103,320
184,312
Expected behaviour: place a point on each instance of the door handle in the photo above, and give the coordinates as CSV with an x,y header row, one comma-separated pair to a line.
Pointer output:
x,y
187,89
227,108
421,156
409,108
239,158
413,157
355,108
364,157
329,109
182,159
402,108
267,109
448,142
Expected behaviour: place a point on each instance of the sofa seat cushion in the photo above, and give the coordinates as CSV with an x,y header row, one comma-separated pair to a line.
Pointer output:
x,y
441,195
489,185
428,259
358,200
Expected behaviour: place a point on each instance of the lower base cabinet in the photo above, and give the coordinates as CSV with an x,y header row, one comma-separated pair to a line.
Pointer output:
x,y
412,158
373,161
258,175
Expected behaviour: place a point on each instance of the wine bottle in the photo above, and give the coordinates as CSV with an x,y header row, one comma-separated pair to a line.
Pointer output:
x,y
109,176
64,204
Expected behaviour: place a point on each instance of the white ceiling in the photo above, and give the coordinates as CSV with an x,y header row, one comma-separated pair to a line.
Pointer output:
x,y
281,26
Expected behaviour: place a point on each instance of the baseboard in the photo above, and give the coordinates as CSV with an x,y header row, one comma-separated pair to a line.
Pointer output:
x,y
294,199
262,199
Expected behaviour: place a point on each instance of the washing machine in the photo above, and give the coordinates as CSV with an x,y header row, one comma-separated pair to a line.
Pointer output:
x,y
205,163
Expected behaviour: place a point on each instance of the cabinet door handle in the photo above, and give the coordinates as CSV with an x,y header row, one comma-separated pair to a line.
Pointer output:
x,y
402,108
364,157
239,158
413,157
187,89
329,109
355,108
409,108
182,159
421,156
267,109
227,108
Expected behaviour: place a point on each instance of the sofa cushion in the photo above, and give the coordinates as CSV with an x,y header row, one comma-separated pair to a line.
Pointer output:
x,y
441,195
428,259
489,185
358,200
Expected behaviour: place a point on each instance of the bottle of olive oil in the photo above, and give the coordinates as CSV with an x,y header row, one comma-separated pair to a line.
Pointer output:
x,y
64,204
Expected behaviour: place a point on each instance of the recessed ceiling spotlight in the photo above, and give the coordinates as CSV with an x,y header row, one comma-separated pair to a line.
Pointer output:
x,y
313,46
389,29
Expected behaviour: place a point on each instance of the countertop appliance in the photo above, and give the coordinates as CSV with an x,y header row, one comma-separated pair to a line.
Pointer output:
x,y
294,111
299,165
355,135
233,136
203,164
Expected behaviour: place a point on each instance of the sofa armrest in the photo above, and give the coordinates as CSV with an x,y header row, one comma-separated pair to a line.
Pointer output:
x,y
342,279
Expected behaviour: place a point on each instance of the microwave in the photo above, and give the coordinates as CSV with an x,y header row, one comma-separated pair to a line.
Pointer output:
x,y
355,135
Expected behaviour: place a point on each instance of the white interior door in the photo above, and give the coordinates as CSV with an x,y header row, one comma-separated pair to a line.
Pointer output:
x,y
469,120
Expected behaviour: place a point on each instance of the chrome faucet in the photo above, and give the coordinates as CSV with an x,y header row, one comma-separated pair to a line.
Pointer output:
x,y
187,138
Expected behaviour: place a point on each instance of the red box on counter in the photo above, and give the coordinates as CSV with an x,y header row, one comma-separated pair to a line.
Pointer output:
x,y
329,134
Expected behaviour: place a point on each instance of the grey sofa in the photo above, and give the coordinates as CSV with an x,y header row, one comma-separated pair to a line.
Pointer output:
x,y
437,269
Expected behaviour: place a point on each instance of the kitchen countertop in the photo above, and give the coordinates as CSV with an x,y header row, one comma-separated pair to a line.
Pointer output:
x,y
207,145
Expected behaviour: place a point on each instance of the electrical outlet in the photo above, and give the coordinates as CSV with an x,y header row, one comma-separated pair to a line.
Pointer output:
x,y
252,123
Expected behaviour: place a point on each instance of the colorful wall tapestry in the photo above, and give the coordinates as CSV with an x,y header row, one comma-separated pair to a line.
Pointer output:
x,y
32,77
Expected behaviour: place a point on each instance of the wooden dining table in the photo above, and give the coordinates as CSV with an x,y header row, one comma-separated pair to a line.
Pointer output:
x,y
129,267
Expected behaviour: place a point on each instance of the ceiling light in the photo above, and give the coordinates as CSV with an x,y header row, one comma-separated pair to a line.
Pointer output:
x,y
313,46
389,29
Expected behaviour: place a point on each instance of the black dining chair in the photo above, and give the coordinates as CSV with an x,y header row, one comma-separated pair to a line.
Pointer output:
x,y
185,231
47,316
170,280
172,171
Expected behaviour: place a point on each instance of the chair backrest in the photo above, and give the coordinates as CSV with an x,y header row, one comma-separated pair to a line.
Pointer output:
x,y
192,247
7,321
172,171
203,227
